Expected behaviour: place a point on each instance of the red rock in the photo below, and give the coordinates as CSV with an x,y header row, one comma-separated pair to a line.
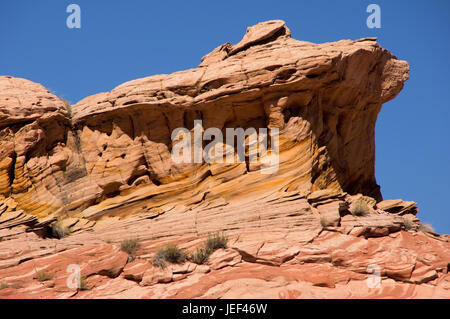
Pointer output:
x,y
105,174
224,258
156,275
136,269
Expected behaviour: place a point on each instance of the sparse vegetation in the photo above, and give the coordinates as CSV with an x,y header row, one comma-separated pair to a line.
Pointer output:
x,y
407,223
130,246
426,228
170,253
5,285
207,88
83,283
212,243
68,106
159,261
359,207
173,254
44,276
324,222
216,241
200,256
59,230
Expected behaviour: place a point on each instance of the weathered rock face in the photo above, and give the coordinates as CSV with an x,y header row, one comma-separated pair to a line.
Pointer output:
x,y
41,167
111,158
323,98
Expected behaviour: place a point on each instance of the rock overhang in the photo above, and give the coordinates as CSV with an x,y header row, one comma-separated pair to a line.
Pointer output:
x,y
324,98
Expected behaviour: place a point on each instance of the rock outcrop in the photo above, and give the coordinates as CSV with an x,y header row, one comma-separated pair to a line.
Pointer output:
x,y
103,169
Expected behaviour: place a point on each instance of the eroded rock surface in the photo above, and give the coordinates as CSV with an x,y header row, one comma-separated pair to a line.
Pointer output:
x,y
103,170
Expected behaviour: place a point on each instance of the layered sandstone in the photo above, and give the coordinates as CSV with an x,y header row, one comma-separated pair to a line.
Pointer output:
x,y
105,170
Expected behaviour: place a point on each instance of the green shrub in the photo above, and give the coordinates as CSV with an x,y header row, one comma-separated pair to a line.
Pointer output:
x,y
174,255
170,253
159,261
359,207
44,276
59,230
4,285
130,246
216,241
200,256
212,243
83,283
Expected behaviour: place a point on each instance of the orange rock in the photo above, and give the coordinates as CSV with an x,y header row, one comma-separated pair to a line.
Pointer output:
x,y
104,173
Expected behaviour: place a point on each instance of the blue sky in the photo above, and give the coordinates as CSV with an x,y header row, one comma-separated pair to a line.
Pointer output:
x,y
124,40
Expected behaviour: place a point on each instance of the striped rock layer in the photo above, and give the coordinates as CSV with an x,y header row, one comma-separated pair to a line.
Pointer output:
x,y
105,165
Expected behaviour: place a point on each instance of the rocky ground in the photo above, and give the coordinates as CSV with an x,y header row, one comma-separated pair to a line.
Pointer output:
x,y
281,250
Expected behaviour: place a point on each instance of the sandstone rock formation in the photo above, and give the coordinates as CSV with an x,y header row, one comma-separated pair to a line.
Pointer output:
x,y
103,169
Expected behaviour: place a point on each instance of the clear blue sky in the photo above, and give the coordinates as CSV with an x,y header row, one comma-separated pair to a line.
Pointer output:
x,y
124,40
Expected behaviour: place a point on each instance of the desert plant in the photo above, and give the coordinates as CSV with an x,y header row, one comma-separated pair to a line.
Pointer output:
x,y
83,283
359,207
324,222
426,228
216,241
407,223
213,242
67,105
44,276
200,256
59,230
170,253
174,254
207,88
4,285
130,246
159,261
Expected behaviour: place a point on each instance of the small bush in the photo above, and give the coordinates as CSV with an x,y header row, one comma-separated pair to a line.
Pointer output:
x,y
359,207
408,224
44,276
216,241
324,222
200,256
170,253
83,283
159,261
59,230
130,246
68,106
212,243
207,88
174,255
426,228
4,285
